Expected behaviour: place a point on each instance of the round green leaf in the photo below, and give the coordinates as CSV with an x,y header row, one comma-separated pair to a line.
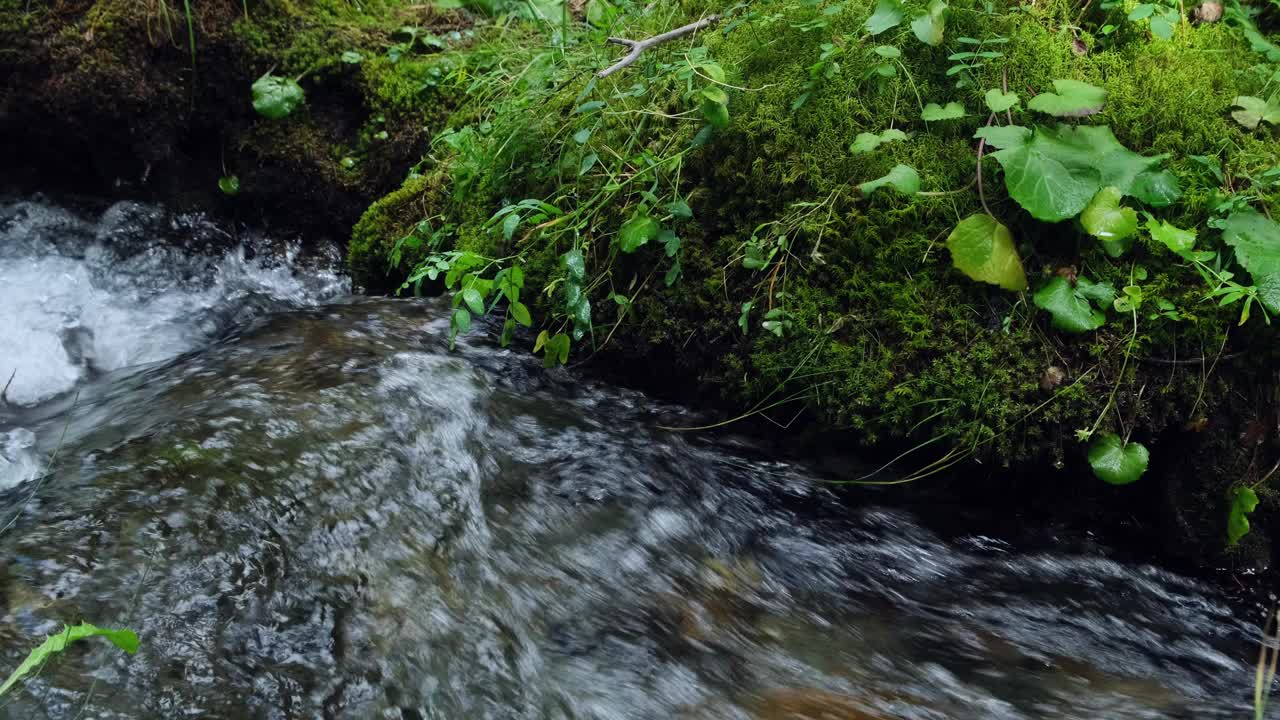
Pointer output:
x,y
276,97
887,15
929,28
1115,461
229,184
716,113
933,112
1176,239
1000,101
902,178
982,248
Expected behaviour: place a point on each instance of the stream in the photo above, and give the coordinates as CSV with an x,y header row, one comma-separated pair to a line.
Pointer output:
x,y
308,507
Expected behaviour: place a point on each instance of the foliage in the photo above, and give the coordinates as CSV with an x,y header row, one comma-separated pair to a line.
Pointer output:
x,y
229,185
982,248
1254,111
1117,461
276,97
126,640
1071,99
1243,502
1077,307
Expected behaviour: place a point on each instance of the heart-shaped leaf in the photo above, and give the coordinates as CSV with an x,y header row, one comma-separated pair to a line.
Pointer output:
x,y
933,112
1113,225
1115,461
887,15
930,27
1254,110
229,184
1003,136
1176,239
1243,501
902,178
1071,98
1070,304
276,97
982,248
999,101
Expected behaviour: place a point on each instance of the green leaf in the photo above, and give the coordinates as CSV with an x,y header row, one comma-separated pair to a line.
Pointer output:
x,y
1114,225
541,340
589,107
930,27
1243,501
229,185
1069,305
474,300
126,640
521,314
1156,188
670,242
276,97
887,15
1256,240
716,114
866,142
680,210
575,266
461,320
351,57
1055,174
637,231
888,52
1254,110
557,350
715,95
745,317
982,248
902,178
673,273
582,136
600,14
1115,461
1003,136
588,161
509,226
933,112
1071,99
1000,101
1176,239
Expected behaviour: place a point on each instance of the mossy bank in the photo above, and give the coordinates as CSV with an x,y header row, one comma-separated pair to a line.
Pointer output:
x,y
701,219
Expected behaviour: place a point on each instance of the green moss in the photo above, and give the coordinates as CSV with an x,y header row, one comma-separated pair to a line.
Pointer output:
x,y
885,337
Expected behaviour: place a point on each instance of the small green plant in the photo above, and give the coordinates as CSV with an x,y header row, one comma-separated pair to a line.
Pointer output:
x,y
1162,18
276,97
229,185
126,640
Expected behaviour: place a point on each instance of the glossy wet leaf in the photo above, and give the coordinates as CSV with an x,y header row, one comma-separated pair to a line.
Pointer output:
x,y
1116,462
1256,240
574,265
229,185
474,300
1071,98
982,248
276,97
866,142
1070,305
1113,224
126,640
521,314
933,112
1243,501
999,101
887,15
902,178
637,231
930,27
1157,188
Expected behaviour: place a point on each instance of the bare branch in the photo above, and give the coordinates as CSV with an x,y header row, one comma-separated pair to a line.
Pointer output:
x,y
637,47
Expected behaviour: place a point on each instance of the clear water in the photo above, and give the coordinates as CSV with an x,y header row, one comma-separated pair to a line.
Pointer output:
x,y
308,508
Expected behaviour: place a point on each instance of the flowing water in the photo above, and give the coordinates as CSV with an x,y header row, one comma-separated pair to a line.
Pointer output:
x,y
309,508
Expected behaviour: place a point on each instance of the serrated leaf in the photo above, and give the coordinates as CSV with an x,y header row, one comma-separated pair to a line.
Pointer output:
x,y
1113,225
902,178
1243,501
1117,462
276,97
930,27
887,15
982,248
1003,136
999,101
1071,98
934,112
1256,240
637,231
126,640
1070,308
